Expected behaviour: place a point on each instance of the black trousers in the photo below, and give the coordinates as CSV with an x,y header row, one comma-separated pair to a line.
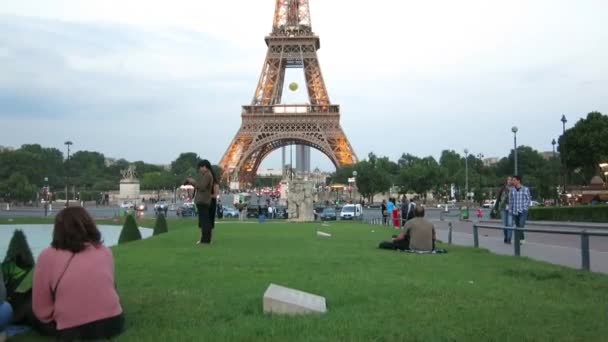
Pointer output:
x,y
400,244
212,212
99,330
204,222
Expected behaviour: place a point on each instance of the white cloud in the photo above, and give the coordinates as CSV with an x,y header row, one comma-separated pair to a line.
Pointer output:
x,y
411,76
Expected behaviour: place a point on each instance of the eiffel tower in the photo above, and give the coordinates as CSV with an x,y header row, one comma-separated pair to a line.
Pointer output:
x,y
268,125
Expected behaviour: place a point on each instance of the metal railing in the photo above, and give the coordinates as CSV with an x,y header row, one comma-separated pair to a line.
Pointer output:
x,y
584,235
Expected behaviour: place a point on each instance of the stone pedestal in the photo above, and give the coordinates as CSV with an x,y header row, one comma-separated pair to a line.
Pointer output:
x,y
300,199
129,189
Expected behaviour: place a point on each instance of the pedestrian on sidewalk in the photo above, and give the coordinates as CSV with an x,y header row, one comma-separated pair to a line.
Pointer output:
x,y
519,205
503,208
479,213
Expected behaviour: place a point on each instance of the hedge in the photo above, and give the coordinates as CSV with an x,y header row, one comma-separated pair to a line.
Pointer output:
x,y
596,213
160,227
129,232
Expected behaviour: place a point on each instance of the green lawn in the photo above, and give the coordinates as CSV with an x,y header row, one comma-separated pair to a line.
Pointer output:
x,y
173,290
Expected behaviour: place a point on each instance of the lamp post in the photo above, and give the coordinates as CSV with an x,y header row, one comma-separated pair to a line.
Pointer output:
x,y
515,130
354,181
67,174
563,152
553,142
466,172
480,156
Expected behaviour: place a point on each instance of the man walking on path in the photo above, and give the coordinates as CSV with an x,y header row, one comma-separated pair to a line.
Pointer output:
x,y
519,203
503,209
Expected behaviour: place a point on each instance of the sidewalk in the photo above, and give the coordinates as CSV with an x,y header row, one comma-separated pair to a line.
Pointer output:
x,y
559,255
556,224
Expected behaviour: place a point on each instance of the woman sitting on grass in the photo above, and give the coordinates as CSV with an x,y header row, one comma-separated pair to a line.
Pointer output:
x,y
73,293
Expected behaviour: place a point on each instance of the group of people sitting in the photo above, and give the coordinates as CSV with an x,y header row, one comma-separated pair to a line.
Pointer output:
x,y
418,235
73,295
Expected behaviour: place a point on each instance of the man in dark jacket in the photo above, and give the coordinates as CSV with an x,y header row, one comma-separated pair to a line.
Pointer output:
x,y
204,186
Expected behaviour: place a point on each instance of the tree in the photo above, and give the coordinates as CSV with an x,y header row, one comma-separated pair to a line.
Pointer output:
x,y
185,165
370,180
585,145
19,188
160,227
129,231
157,180
420,177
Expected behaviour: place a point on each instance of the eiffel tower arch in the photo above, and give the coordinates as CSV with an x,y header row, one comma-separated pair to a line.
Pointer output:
x,y
268,125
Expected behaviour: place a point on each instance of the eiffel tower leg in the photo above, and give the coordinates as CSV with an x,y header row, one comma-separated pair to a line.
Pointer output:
x,y
314,80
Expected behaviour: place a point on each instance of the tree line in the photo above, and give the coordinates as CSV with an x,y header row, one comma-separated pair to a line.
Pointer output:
x,y
581,149
26,170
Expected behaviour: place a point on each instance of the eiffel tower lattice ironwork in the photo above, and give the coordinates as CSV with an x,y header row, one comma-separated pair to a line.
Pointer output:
x,y
268,125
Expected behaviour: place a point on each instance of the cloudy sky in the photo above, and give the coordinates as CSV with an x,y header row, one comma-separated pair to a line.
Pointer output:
x,y
148,79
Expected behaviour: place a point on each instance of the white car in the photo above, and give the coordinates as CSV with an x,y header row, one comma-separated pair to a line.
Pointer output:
x,y
351,212
534,204
489,204
127,205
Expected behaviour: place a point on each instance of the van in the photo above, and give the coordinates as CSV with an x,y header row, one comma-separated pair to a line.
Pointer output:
x,y
351,212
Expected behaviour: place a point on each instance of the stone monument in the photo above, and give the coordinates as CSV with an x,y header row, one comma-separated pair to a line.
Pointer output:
x,y
129,185
300,199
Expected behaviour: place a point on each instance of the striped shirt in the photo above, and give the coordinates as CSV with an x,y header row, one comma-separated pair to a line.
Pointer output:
x,y
519,200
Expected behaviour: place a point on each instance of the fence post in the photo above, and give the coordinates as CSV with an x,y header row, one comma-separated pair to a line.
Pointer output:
x,y
585,251
516,243
476,236
450,228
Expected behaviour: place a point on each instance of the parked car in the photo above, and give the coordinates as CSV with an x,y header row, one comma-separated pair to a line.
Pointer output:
x,y
186,209
489,204
230,212
351,212
127,205
329,214
535,204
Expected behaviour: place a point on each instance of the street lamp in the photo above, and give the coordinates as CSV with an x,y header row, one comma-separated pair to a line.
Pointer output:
x,y
67,179
563,152
480,156
553,143
515,130
466,166
354,183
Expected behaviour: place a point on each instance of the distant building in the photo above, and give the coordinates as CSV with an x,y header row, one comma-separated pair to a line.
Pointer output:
x,y
270,173
6,148
548,155
490,162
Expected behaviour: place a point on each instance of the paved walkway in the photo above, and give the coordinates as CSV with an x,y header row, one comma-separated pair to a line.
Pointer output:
x,y
556,249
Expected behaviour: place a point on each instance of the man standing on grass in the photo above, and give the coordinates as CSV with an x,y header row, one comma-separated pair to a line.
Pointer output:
x,y
519,203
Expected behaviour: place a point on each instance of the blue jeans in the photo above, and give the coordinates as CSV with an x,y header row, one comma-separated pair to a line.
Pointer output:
x,y
507,221
261,218
6,315
520,222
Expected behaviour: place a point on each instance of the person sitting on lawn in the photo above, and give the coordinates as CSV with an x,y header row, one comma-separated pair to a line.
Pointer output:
x,y
418,235
74,294
6,311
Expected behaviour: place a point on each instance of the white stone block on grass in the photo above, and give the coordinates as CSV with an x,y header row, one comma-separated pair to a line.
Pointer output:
x,y
323,234
286,301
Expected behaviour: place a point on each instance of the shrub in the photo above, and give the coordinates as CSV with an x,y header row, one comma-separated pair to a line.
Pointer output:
x,y
19,251
160,227
129,232
597,213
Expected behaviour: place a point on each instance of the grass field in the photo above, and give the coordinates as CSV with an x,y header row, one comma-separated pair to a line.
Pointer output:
x,y
173,290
